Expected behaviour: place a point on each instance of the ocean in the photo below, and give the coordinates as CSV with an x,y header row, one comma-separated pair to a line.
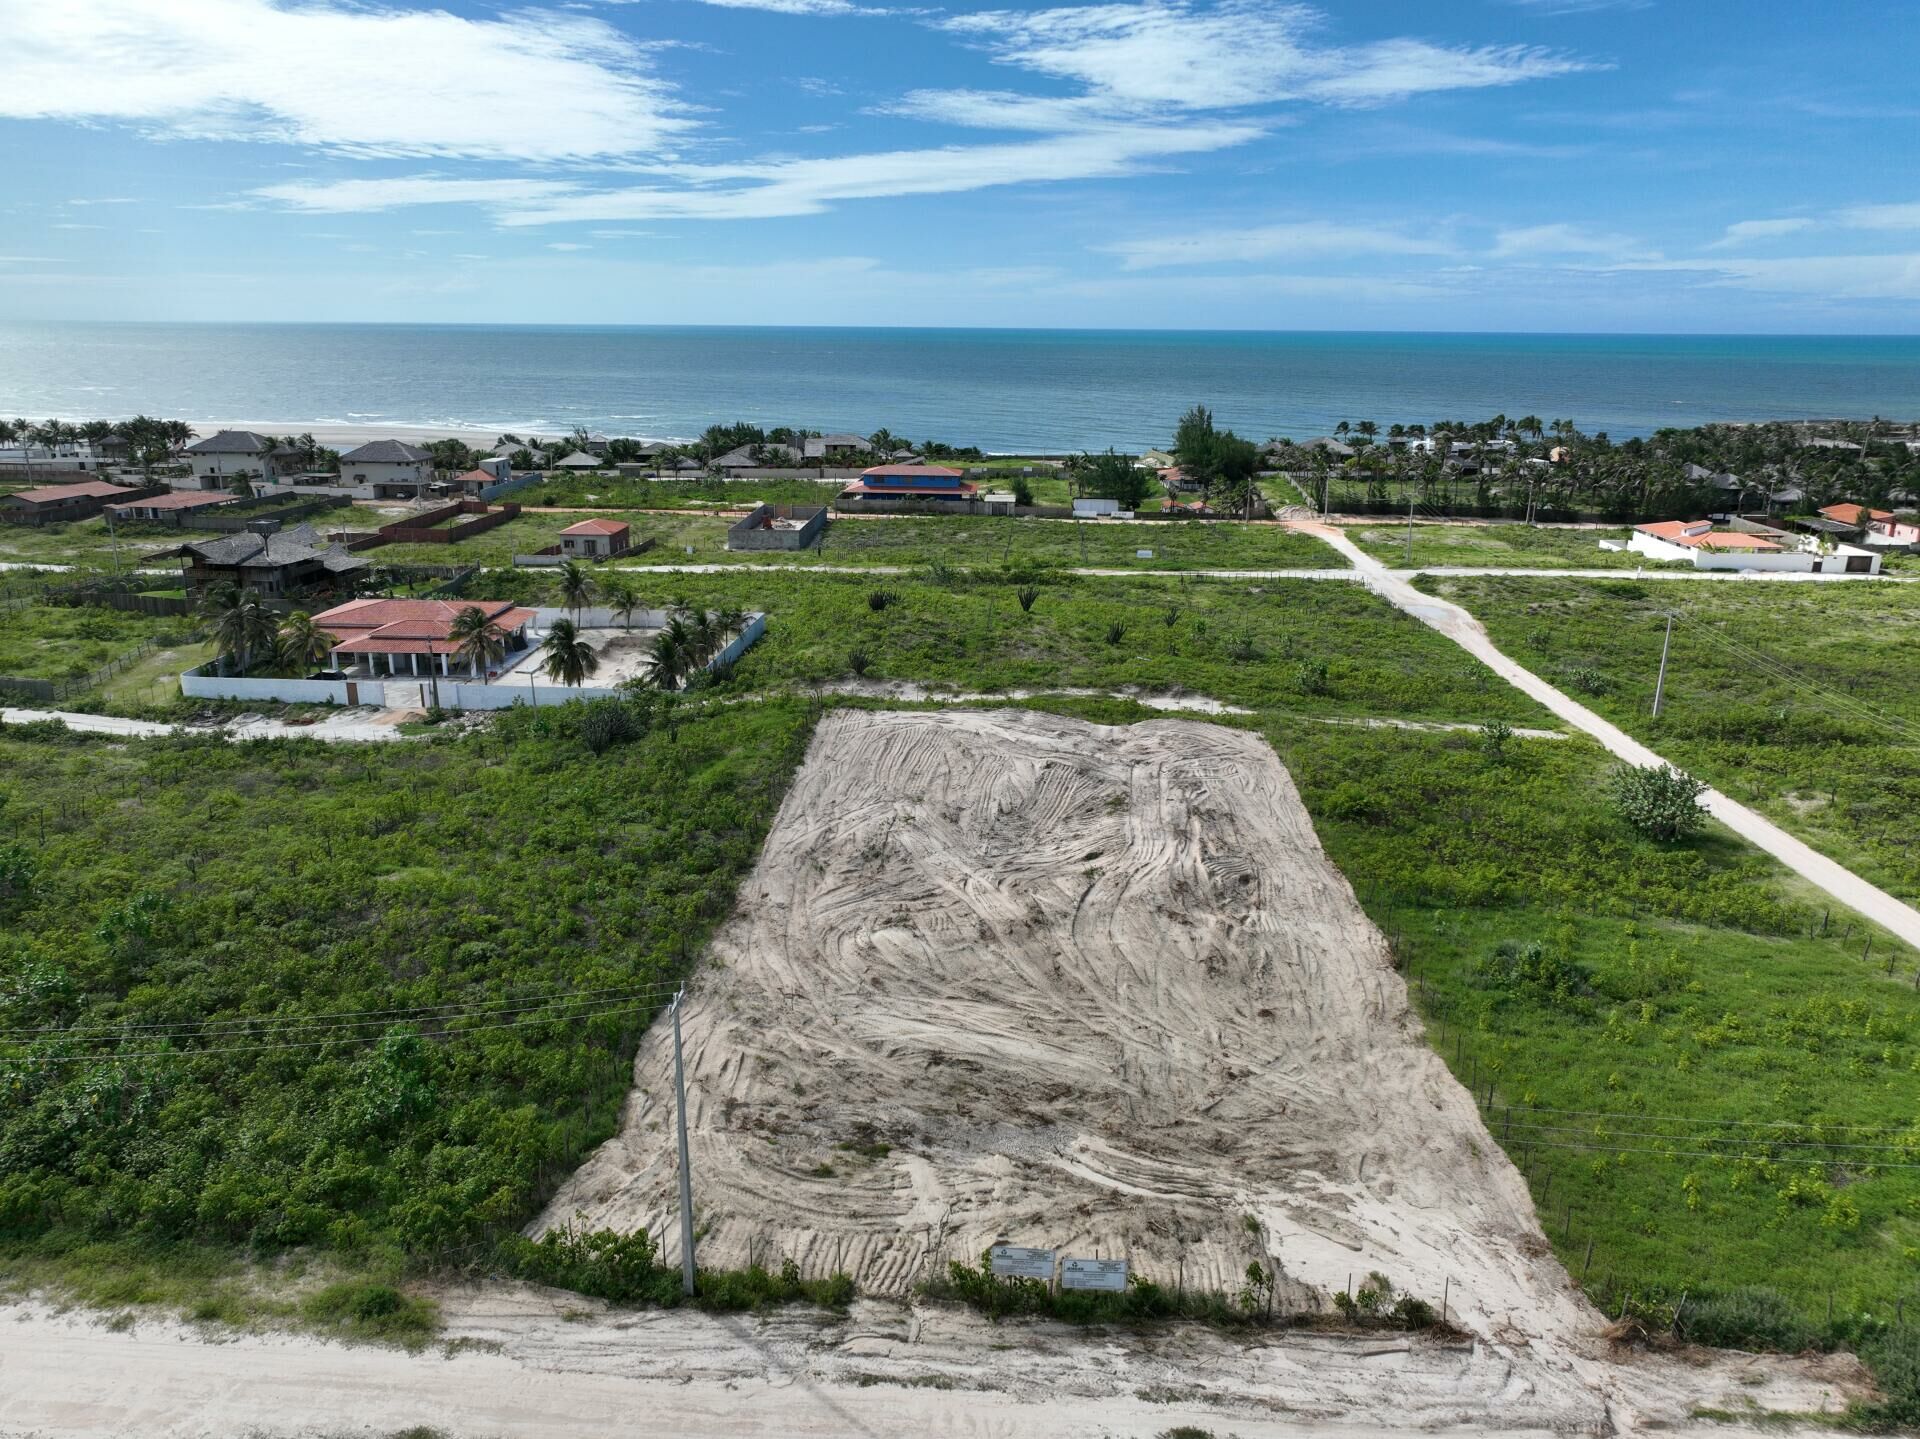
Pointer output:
x,y
1005,390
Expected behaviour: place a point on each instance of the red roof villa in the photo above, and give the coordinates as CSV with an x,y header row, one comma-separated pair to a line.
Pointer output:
x,y
412,637
910,482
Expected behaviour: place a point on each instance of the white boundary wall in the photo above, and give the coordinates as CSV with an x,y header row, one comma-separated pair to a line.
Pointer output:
x,y
454,692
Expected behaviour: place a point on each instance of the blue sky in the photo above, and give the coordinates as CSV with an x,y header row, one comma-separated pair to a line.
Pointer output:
x,y
1573,165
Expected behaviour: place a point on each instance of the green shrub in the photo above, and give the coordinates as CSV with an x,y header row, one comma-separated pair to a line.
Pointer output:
x,y
363,1309
1532,971
1662,802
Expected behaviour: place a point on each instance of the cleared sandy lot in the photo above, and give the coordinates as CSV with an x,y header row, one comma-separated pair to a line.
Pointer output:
x,y
1093,987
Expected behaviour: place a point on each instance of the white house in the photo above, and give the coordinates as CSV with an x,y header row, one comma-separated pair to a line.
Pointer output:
x,y
221,458
395,470
1699,544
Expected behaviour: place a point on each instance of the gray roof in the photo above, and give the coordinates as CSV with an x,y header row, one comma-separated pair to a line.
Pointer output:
x,y
746,457
386,452
271,552
233,442
578,460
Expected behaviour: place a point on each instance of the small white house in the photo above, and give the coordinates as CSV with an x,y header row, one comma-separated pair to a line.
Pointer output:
x,y
1090,508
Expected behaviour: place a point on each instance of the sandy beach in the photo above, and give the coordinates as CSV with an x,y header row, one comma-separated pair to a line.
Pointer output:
x,y
342,437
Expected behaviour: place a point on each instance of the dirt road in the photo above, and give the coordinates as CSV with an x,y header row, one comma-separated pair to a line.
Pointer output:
x,y
360,726
537,1364
1461,627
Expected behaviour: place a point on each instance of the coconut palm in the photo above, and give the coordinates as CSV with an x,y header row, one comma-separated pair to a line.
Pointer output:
x,y
566,656
243,626
621,597
477,639
576,586
668,661
301,642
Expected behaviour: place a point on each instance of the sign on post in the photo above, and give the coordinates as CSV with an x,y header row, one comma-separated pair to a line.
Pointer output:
x,y
1107,1274
1143,554
1010,1261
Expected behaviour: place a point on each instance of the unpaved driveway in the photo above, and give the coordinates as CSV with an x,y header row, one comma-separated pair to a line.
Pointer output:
x,y
359,726
1464,630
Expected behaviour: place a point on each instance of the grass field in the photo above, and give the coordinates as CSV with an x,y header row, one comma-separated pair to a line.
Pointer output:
x,y
1698,1090
60,642
958,540
1252,643
172,883
1497,545
1798,699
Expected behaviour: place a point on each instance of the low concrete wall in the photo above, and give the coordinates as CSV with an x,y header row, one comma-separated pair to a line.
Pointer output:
x,y
751,532
201,683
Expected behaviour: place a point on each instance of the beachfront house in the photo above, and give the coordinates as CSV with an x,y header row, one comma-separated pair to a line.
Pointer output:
x,y
777,455
595,539
577,462
413,637
393,469
1156,460
911,482
229,455
1698,543
277,565
824,448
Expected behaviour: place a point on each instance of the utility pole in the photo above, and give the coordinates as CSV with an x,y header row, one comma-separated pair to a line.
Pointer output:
x,y
1660,685
686,1177
1409,527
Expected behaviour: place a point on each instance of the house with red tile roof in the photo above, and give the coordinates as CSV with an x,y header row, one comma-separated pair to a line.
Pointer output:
x,y
413,637
1698,543
45,504
596,539
1877,527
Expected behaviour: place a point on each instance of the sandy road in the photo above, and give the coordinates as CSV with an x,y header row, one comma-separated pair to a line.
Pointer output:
x,y
1464,630
542,1365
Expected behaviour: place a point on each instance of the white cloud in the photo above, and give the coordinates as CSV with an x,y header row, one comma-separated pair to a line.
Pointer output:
x,y
1300,240
1182,55
567,246
344,197
108,200
1533,241
537,85
1577,7
1826,277
772,189
1882,217
796,7
1742,232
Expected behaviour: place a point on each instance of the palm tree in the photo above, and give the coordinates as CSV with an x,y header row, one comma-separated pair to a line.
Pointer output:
x,y
243,626
477,639
668,660
576,586
568,658
301,642
621,597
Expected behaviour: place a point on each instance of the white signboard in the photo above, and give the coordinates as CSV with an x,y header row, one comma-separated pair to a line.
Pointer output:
x,y
1108,1274
1143,554
1009,1261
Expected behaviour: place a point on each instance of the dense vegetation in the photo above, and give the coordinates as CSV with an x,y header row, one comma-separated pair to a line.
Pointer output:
x,y
1798,699
374,1001
1503,469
